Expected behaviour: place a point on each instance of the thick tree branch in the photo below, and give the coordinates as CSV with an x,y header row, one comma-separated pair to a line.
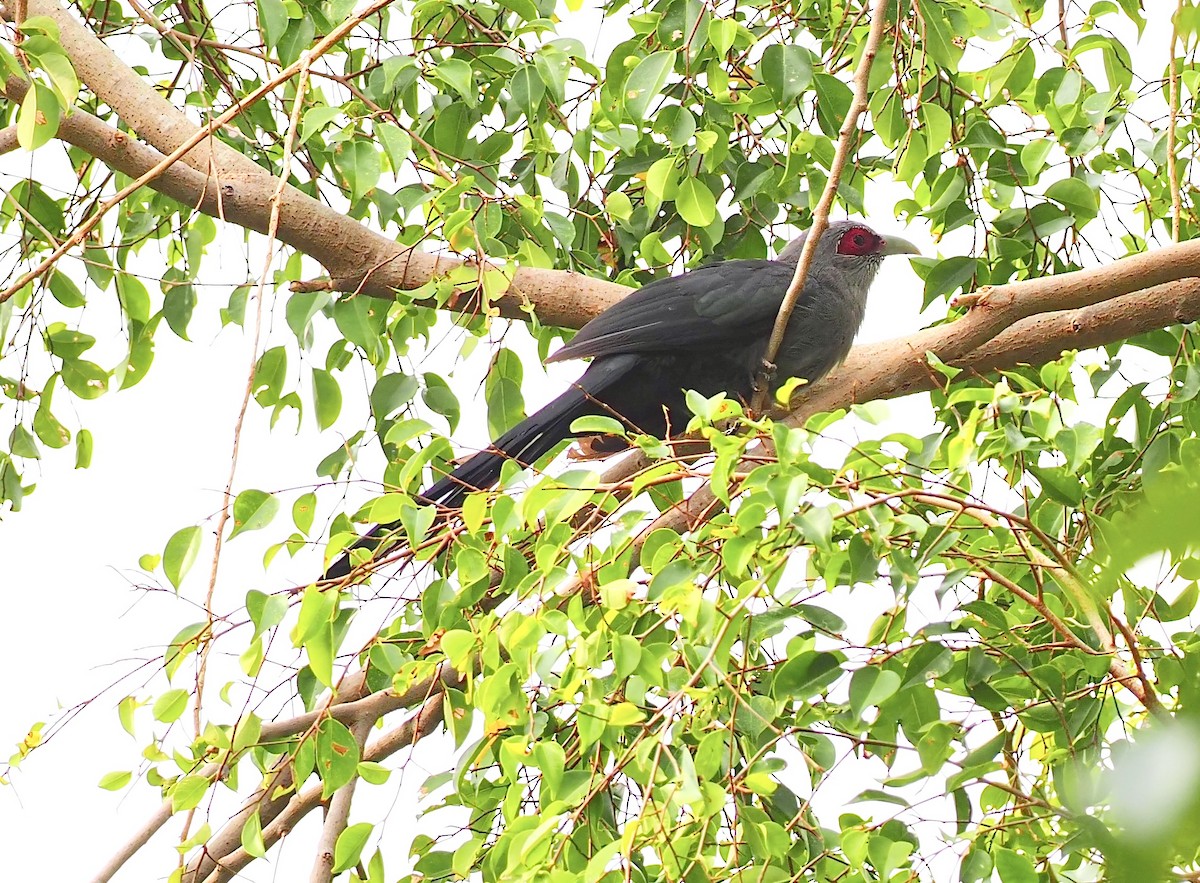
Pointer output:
x,y
338,814
230,186
898,367
420,725
351,689
276,797
141,837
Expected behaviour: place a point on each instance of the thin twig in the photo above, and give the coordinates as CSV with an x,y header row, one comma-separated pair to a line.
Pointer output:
x,y
408,733
260,294
821,214
86,227
1173,99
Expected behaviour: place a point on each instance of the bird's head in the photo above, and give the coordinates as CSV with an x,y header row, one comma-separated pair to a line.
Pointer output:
x,y
851,248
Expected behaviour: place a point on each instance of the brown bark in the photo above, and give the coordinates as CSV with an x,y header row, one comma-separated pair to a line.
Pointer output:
x,y
230,186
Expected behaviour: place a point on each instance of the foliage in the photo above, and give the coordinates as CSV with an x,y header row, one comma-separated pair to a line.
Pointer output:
x,y
892,654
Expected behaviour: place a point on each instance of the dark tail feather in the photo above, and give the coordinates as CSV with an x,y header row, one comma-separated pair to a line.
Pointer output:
x,y
526,442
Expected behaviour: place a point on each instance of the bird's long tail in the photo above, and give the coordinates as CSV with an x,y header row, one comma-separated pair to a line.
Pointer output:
x,y
533,437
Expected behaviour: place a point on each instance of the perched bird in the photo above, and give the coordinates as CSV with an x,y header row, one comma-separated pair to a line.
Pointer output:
x,y
706,330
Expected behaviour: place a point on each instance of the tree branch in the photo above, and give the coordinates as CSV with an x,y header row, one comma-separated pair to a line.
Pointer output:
x,y
275,797
338,814
143,834
862,78
898,367
417,727
230,186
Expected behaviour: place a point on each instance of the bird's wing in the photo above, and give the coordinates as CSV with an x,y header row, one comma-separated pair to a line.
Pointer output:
x,y
719,303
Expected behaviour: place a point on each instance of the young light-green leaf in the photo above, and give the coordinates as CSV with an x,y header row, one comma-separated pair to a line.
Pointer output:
x,y
646,81
253,510
180,553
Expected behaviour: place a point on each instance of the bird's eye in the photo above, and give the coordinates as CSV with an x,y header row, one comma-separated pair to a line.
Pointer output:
x,y
857,241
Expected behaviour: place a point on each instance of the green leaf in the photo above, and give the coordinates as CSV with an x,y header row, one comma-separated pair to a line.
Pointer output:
x,y
303,511
359,165
721,34
440,398
396,144
302,308
83,449
695,202
646,82
135,299
171,705
252,838
272,20
178,304
787,71
618,206
391,393
253,510
45,426
806,674
350,844
86,379
1076,197
456,74
188,792
938,35
39,117
327,398
180,553
115,781
948,276
1014,867
22,443
337,755
871,686
1034,156
65,291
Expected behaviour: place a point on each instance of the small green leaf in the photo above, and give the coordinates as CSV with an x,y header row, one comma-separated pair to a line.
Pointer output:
x,y
721,34
327,398
646,82
252,838
303,511
337,755
188,792
83,449
115,781
266,611
391,393
178,304
938,35
786,70
39,117
618,206
359,165
695,202
180,553
170,705
456,74
350,844
1076,197
272,21
252,510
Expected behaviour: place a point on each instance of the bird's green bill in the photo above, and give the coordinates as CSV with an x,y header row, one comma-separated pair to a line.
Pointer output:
x,y
893,245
